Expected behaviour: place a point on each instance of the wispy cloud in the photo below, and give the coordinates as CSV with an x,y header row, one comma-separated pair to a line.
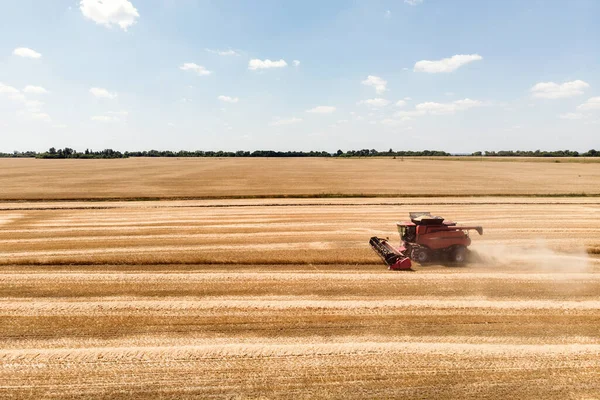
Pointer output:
x,y
40,116
375,103
321,110
593,103
198,69
102,93
104,118
571,116
255,64
228,52
584,110
378,83
9,90
34,90
552,90
26,52
285,121
434,108
446,64
228,99
110,12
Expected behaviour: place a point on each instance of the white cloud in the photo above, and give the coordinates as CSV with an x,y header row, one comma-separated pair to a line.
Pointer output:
x,y
413,2
25,52
228,52
12,93
400,103
19,97
378,83
571,116
584,110
447,108
35,90
552,90
387,14
7,89
467,103
255,64
446,64
102,93
199,69
110,12
321,110
33,104
60,126
119,113
104,118
32,107
593,103
407,115
296,63
40,116
433,108
375,103
390,122
228,99
110,116
393,123
287,121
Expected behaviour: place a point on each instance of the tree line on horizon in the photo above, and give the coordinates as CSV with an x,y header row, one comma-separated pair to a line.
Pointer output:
x,y
67,152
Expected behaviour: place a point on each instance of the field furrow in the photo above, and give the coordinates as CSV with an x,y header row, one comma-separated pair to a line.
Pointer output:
x,y
284,299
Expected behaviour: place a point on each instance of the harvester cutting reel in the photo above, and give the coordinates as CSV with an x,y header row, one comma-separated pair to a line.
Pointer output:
x,y
394,258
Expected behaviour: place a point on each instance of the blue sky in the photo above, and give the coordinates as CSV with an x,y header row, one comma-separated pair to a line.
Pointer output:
x,y
452,75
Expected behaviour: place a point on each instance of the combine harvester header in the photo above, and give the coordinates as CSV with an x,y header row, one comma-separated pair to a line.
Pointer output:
x,y
424,238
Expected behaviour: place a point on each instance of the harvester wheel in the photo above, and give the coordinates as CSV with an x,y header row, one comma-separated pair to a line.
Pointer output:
x,y
459,255
420,255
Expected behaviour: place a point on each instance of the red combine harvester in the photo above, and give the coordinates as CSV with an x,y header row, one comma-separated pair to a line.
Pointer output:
x,y
423,239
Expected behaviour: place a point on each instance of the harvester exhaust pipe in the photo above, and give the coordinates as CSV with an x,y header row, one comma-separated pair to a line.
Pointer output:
x,y
395,259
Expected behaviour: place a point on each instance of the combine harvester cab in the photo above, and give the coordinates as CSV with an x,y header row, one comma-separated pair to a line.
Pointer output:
x,y
424,238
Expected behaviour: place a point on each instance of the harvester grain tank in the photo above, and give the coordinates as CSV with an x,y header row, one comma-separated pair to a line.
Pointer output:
x,y
424,238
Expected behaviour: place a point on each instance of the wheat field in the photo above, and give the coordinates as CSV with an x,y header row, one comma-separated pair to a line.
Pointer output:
x,y
283,298
239,177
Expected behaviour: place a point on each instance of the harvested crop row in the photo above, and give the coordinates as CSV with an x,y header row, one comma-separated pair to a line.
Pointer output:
x,y
352,370
285,235
114,303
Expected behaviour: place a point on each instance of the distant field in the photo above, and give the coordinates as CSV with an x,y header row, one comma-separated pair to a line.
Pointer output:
x,y
230,177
